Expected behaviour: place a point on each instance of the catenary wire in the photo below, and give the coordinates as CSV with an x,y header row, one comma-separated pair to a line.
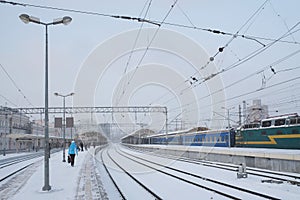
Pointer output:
x,y
16,86
225,46
9,101
133,48
90,13
243,60
148,46
244,94
154,22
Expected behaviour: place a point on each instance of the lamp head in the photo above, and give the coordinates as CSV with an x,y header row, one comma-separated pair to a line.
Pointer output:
x,y
25,18
66,20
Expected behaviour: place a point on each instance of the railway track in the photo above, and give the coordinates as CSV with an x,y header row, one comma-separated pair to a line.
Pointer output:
x,y
15,165
117,185
14,172
160,167
277,176
14,160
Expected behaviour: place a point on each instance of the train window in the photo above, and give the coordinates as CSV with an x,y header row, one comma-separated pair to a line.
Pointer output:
x,y
247,126
293,121
266,124
279,122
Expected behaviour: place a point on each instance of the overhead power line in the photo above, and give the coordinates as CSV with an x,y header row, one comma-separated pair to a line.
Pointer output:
x,y
138,19
248,57
154,22
250,75
147,48
132,50
9,101
159,23
197,81
16,86
237,96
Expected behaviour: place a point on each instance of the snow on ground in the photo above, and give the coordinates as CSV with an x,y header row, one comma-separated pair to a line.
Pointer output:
x,y
283,191
66,182
63,179
10,187
89,180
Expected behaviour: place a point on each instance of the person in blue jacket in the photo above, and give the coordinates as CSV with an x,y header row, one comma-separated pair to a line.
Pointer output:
x,y
72,151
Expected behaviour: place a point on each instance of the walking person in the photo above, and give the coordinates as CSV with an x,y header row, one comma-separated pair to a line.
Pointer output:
x,y
81,146
72,151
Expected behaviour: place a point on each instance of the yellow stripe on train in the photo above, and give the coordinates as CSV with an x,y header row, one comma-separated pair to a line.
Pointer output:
x,y
272,139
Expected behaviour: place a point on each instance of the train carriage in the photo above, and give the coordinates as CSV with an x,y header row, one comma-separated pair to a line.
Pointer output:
x,y
277,132
218,138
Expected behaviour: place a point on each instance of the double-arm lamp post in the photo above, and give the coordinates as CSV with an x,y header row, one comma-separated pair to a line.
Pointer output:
x,y
65,20
64,119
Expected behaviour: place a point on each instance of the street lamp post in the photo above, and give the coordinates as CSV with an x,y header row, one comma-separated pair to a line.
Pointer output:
x,y
64,119
65,20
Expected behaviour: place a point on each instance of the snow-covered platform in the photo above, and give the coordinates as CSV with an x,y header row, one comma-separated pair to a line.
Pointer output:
x,y
66,182
272,159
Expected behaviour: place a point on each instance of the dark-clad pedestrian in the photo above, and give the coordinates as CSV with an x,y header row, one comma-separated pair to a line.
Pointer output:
x,y
81,146
72,151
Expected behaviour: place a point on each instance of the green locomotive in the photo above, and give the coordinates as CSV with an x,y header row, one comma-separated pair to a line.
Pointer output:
x,y
282,132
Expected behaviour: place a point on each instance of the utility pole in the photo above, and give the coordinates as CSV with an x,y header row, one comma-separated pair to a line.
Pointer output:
x,y
244,112
240,115
228,116
5,132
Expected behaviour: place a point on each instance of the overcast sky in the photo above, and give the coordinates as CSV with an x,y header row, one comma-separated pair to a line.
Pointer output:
x,y
111,61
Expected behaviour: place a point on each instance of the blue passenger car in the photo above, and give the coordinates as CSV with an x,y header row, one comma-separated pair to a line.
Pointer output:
x,y
218,138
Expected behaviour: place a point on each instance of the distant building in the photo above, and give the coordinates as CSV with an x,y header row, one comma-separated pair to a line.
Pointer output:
x,y
256,112
11,122
11,119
